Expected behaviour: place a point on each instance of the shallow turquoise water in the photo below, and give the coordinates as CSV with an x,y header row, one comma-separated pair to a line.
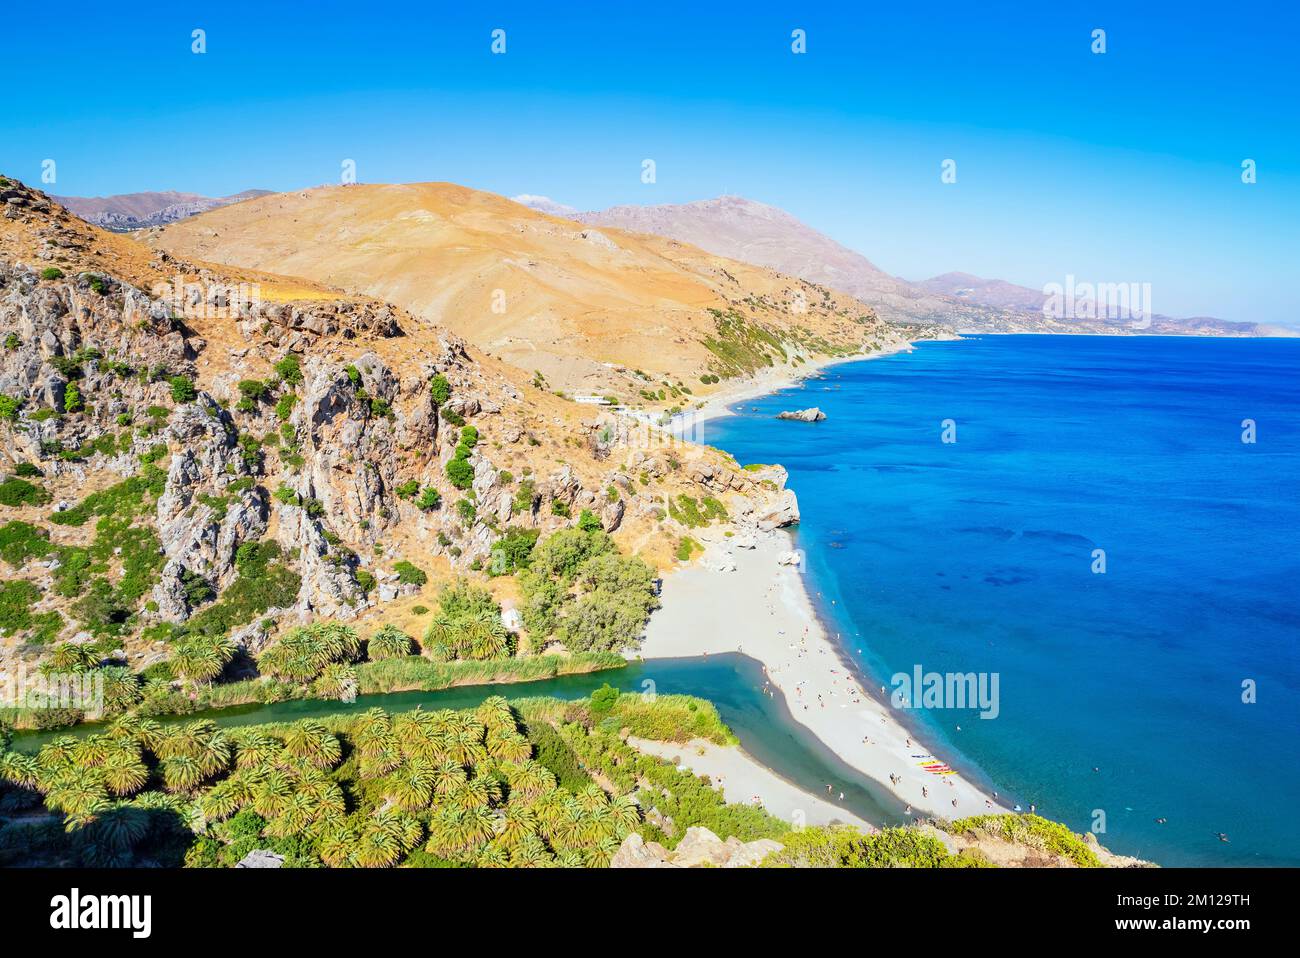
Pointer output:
x,y
977,556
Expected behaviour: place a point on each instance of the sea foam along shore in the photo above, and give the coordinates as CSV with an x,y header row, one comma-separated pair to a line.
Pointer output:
x,y
739,597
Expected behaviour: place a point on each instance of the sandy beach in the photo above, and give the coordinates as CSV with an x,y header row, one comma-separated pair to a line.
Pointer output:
x,y
773,380
745,781
761,608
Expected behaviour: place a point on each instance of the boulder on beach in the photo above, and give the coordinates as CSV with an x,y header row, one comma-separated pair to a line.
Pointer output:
x,y
811,414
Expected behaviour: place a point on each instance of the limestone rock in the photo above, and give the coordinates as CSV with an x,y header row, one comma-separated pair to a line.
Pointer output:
x,y
261,858
811,414
699,847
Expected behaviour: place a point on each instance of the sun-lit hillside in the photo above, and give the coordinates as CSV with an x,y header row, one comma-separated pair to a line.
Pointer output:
x,y
586,306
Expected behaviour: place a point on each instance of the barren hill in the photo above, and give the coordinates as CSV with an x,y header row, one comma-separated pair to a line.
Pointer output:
x,y
597,310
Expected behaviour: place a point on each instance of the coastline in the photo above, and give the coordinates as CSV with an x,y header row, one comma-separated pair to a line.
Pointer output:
x,y
769,615
793,643
774,380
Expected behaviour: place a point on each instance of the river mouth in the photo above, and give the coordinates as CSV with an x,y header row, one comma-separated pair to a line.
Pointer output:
x,y
732,682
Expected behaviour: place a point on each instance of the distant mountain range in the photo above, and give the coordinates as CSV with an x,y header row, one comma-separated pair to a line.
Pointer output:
x,y
133,211
766,236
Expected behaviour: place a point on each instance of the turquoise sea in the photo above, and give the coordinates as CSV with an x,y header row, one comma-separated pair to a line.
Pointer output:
x,y
1121,692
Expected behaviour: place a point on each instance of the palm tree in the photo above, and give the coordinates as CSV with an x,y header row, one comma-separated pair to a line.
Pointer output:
x,y
531,853
484,635
441,638
60,753
569,859
223,799
411,787
71,657
466,745
120,827
337,681
626,813
593,796
493,856
213,754
121,688
298,812
337,846
514,825
389,642
530,779
182,773
93,750
325,792
76,792
253,748
271,793
386,837
508,746
124,771
18,769
448,777
372,732
469,795
312,742
495,715
382,762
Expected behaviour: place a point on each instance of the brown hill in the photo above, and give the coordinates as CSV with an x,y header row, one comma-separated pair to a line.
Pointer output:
x,y
588,308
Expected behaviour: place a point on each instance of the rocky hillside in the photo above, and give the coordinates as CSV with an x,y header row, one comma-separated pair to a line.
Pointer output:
x,y
597,311
133,211
185,443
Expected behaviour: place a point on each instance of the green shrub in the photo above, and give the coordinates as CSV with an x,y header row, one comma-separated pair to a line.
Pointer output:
x,y
439,388
51,272
409,574
72,401
430,498
513,551
182,388
459,472
290,370
20,492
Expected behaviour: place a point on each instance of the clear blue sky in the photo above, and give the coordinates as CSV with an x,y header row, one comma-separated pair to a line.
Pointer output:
x,y
1122,167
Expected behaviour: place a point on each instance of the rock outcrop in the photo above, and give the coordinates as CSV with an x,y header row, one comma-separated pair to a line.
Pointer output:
x,y
698,848
811,414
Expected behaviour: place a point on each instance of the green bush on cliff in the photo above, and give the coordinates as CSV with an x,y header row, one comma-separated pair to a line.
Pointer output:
x,y
20,492
580,591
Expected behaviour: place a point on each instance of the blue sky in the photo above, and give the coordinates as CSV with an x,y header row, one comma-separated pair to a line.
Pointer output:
x,y
1120,167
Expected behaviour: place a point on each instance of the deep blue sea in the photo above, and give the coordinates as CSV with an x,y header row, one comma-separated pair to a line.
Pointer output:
x,y
977,556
